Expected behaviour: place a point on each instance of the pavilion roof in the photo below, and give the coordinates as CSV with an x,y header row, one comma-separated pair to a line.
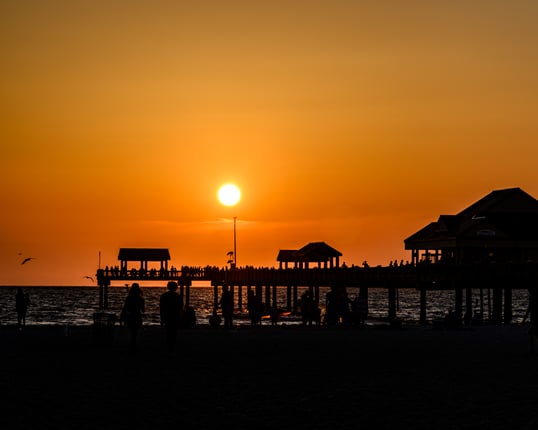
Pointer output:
x,y
502,215
144,254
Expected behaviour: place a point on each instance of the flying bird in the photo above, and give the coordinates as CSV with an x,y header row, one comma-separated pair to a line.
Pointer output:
x,y
26,260
89,277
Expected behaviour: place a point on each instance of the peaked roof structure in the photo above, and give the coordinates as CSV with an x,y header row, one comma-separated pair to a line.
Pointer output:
x,y
143,255
506,219
314,252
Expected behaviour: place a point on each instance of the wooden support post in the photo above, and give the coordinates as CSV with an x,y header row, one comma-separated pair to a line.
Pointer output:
x,y
458,305
392,302
105,295
216,296
497,305
288,298
101,296
363,292
423,306
267,295
274,301
231,288
507,305
468,305
187,295
240,297
295,305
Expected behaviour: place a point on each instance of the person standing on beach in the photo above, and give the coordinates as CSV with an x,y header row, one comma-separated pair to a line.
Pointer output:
x,y
227,305
171,311
132,314
22,301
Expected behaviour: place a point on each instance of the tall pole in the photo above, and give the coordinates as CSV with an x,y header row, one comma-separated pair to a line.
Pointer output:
x,y
235,243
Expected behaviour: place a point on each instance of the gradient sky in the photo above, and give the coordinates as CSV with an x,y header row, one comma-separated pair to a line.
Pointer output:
x,y
354,123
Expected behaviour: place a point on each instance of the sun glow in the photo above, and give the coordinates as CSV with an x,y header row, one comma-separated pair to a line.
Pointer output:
x,y
229,194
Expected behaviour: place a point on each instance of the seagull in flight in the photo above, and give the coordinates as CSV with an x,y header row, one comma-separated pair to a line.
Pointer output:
x,y
89,277
27,259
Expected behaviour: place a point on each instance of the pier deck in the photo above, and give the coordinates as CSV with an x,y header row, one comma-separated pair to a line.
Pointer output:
x,y
500,278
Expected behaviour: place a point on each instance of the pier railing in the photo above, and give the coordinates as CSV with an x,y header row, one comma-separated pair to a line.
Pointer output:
x,y
501,278
428,276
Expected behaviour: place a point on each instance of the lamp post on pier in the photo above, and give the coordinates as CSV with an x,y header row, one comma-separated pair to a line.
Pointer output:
x,y
235,242
229,195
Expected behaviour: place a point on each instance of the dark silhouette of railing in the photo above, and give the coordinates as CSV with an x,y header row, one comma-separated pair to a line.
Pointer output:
x,y
501,278
429,276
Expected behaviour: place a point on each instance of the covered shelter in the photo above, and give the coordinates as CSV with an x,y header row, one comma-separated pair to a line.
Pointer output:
x,y
501,227
144,255
315,252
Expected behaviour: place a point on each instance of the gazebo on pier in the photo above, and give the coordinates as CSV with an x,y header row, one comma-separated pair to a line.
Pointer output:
x,y
144,255
315,252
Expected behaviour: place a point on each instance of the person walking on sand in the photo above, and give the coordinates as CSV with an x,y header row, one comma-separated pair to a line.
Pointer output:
x,y
227,305
132,314
171,310
22,301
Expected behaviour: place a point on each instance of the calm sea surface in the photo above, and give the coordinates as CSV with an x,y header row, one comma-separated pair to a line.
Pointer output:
x,y
75,306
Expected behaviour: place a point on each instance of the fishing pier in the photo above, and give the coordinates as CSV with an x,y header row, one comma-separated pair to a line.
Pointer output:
x,y
500,279
490,245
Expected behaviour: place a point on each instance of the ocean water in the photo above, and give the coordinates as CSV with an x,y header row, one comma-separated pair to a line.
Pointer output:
x,y
75,306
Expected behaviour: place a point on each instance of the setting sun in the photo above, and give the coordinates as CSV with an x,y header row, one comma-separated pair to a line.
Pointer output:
x,y
229,195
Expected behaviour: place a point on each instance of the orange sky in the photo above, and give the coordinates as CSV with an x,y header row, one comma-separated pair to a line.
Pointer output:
x,y
354,123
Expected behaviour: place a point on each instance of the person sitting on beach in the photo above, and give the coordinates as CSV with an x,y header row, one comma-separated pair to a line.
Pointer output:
x,y
171,313
214,319
132,314
362,310
22,301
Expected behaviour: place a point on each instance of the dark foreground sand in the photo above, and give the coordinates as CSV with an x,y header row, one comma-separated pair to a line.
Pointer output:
x,y
283,377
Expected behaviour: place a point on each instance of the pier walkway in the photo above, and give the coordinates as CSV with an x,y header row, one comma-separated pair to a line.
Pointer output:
x,y
501,278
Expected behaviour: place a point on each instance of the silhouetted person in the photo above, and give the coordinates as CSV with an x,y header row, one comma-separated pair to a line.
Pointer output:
x,y
342,305
132,314
215,320
227,305
171,312
307,308
532,316
22,301
360,310
255,308
331,309
274,314
451,320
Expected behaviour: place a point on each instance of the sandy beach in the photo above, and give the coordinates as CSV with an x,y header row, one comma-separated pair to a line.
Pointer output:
x,y
270,377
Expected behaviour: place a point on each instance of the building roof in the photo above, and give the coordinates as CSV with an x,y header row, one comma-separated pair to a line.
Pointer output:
x,y
144,254
312,252
508,214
